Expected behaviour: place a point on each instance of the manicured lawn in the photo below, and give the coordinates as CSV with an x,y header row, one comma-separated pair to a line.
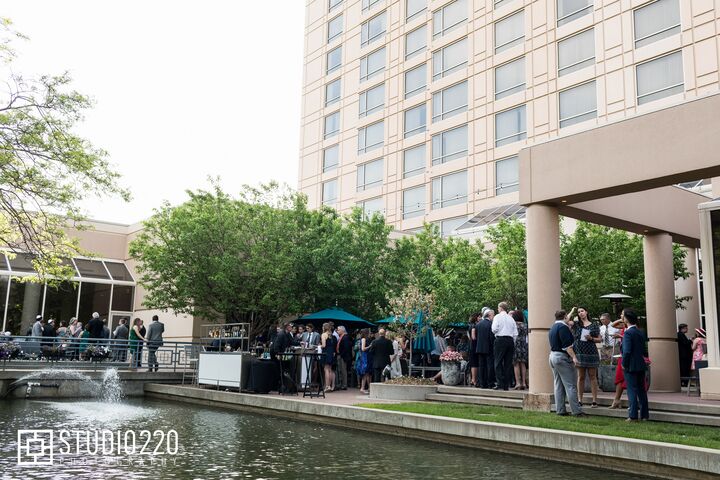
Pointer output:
x,y
694,435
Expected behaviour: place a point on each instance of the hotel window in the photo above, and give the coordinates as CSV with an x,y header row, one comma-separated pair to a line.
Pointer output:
x,y
449,145
332,92
370,175
415,42
333,3
507,175
332,124
334,59
578,104
450,101
371,207
368,4
331,158
450,59
576,52
330,192
510,31
450,225
449,17
510,126
413,202
335,28
371,137
372,100
414,8
415,80
510,78
414,161
372,30
372,64
660,78
415,120
449,190
500,3
569,10
656,21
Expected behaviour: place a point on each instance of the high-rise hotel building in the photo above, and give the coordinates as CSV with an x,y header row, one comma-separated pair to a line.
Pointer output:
x,y
418,108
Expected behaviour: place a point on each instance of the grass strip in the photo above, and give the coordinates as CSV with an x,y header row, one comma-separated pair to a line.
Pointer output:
x,y
692,435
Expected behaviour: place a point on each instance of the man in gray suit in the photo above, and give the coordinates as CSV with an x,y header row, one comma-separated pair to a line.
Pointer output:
x,y
121,335
154,340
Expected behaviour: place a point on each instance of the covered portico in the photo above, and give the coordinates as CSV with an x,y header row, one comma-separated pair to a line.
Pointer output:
x,y
621,175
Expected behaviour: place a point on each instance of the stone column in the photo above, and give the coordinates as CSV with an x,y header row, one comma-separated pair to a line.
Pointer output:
x,y
32,302
689,288
660,307
543,268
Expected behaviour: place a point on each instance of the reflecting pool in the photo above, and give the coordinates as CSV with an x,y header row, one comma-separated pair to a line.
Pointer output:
x,y
217,443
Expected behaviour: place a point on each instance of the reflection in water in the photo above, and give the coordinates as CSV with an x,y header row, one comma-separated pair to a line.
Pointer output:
x,y
216,443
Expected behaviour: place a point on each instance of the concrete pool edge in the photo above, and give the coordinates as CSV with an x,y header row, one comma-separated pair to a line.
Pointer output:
x,y
620,454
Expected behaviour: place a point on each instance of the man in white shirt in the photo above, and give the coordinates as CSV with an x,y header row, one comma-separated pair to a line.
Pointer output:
x,y
607,334
505,331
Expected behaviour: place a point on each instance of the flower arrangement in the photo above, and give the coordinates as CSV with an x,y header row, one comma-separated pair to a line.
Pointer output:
x,y
9,350
97,353
451,356
411,381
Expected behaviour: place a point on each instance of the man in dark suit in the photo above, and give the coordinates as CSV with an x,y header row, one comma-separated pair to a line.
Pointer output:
x,y
95,326
121,335
484,350
154,339
382,349
344,357
634,367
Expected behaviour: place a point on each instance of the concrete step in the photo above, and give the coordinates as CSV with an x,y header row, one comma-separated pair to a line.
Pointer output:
x,y
475,400
659,415
481,392
677,407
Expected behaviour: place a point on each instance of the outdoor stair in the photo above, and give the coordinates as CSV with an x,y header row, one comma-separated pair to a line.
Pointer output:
x,y
665,411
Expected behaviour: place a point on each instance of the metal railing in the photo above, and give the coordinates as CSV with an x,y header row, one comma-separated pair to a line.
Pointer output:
x,y
97,353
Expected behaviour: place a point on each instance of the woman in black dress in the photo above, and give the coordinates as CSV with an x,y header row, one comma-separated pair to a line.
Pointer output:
x,y
587,336
472,356
520,354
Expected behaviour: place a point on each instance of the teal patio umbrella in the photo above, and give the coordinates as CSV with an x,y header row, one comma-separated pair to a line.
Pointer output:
x,y
424,340
338,316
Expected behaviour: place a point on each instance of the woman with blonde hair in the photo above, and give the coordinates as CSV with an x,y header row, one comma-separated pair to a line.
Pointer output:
x,y
328,344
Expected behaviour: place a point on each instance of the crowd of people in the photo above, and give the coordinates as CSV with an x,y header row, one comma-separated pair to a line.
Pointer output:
x,y
71,341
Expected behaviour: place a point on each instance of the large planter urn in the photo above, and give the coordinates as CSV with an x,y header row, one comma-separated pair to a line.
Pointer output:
x,y
450,373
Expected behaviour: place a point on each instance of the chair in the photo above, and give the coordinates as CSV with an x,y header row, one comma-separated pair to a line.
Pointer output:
x,y
192,357
693,382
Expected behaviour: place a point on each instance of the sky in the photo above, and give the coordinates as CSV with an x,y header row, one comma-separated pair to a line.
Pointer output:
x,y
183,90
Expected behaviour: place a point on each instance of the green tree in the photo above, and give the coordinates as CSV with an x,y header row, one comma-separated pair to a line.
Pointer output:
x,y
46,170
508,258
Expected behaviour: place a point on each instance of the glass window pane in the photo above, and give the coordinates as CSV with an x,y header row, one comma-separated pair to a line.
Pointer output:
x,y
334,59
122,299
61,302
450,101
333,3
414,202
22,262
91,268
372,30
332,92
509,31
450,225
415,120
450,190
414,161
332,124
372,207
119,271
372,100
660,78
507,175
372,64
578,104
371,137
415,80
510,126
569,10
414,8
370,174
4,265
656,21
576,52
335,28
331,158
368,4
449,145
94,297
23,306
449,17
330,192
450,59
415,42
510,78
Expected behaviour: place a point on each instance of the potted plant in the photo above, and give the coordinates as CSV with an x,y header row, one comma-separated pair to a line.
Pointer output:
x,y
96,353
9,351
450,367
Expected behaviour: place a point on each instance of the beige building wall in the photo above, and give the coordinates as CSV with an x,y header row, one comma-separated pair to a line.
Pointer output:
x,y
613,70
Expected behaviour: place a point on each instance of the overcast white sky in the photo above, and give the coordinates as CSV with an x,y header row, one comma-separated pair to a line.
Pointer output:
x,y
183,89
